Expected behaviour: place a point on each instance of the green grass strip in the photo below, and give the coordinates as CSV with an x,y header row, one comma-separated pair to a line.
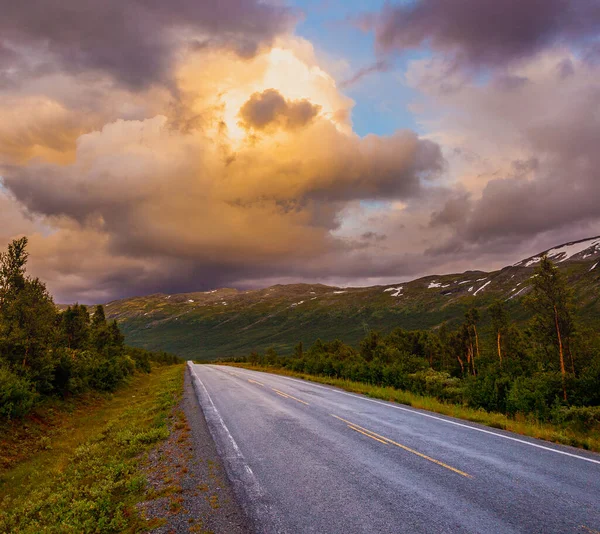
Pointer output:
x,y
89,481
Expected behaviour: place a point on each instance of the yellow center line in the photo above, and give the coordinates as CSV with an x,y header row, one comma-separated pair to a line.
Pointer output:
x,y
255,382
366,434
589,530
282,395
290,396
404,447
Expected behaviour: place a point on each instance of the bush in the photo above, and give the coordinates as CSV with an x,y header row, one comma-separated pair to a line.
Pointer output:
x,y
534,395
141,359
108,373
579,418
17,394
437,384
489,392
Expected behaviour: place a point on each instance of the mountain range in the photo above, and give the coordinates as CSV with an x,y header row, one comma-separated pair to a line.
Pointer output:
x,y
228,322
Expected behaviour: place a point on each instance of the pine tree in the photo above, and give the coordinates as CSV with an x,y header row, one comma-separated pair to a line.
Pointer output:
x,y
27,318
550,300
12,270
100,332
99,318
76,326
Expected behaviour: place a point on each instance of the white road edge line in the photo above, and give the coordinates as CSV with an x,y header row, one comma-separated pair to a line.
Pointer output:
x,y
257,506
450,422
221,422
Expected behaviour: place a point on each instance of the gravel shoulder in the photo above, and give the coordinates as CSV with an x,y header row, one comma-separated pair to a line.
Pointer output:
x,y
189,488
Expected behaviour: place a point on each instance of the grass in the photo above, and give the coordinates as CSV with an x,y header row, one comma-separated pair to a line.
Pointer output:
x,y
85,477
526,426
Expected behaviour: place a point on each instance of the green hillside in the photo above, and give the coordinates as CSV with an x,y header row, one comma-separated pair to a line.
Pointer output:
x,y
227,322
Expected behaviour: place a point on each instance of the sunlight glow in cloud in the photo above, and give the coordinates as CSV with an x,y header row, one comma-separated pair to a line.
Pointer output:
x,y
221,151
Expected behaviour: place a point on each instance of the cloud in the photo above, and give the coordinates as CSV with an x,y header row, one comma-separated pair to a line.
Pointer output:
x,y
485,33
271,109
373,236
378,66
453,211
13,220
43,116
536,171
188,199
137,41
204,146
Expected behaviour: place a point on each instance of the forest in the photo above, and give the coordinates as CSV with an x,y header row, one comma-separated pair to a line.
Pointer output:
x,y
45,352
547,369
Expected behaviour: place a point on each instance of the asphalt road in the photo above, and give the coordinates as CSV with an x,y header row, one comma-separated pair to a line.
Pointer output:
x,y
309,458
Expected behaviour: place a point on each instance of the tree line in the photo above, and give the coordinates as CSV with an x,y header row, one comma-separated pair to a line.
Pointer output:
x,y
46,352
548,369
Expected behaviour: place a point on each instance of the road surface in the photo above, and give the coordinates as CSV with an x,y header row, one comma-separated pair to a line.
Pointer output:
x,y
310,458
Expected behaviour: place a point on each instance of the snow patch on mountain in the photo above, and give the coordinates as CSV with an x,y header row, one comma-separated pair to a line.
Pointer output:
x,y
433,285
517,293
488,282
397,291
565,252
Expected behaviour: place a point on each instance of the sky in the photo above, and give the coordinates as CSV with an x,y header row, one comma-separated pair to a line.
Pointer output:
x,y
148,148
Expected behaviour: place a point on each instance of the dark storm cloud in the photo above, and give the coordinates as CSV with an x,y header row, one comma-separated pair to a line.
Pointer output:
x,y
486,33
270,108
135,40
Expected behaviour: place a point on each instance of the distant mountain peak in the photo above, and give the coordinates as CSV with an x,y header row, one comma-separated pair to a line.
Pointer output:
x,y
574,250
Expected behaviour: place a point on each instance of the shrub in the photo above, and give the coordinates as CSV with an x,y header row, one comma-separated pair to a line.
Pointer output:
x,y
17,394
534,395
108,373
437,384
579,418
489,392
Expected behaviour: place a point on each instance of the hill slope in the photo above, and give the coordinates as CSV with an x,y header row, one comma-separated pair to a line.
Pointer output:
x,y
228,322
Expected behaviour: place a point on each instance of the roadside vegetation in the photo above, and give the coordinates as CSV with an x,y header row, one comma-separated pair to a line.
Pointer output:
x,y
46,353
78,410
87,477
542,380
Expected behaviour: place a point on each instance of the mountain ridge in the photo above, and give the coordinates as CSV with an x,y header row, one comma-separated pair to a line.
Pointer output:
x,y
228,321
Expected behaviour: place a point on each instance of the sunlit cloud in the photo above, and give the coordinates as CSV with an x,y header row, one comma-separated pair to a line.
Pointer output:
x,y
221,151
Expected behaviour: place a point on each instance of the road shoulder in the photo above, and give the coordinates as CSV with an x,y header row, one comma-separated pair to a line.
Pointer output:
x,y
190,491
